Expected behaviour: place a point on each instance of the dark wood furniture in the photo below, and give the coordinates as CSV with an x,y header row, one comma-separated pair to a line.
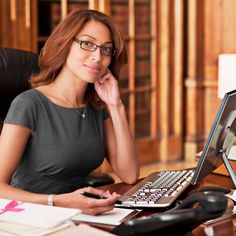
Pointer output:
x,y
169,86
220,228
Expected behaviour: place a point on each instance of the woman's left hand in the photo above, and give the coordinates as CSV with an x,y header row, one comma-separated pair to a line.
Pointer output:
x,y
107,89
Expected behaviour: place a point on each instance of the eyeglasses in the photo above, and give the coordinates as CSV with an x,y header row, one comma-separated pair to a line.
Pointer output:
x,y
92,47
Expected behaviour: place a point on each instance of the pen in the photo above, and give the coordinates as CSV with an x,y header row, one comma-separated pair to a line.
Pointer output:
x,y
96,196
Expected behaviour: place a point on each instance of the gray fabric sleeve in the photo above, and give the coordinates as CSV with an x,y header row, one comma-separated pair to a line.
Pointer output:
x,y
22,112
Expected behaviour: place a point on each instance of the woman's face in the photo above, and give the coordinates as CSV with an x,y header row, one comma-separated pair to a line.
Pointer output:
x,y
85,60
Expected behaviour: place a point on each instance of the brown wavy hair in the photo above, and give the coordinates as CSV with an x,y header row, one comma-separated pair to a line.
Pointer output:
x,y
56,49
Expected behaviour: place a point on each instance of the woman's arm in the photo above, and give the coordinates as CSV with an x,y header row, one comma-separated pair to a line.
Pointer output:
x,y
13,141
121,151
120,144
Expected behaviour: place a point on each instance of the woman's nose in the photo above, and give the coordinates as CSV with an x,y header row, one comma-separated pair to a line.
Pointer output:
x,y
96,55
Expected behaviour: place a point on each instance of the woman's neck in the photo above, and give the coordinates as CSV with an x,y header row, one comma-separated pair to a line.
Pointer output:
x,y
71,89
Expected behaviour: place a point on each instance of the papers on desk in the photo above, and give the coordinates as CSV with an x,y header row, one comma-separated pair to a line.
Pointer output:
x,y
113,217
28,219
36,215
7,228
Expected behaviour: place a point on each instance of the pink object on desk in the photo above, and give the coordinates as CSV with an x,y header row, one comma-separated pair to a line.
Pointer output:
x,y
11,206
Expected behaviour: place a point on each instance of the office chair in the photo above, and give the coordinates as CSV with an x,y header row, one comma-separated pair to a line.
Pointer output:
x,y
16,66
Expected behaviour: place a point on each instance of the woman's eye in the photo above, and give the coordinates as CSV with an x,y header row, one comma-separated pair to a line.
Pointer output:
x,y
86,44
107,49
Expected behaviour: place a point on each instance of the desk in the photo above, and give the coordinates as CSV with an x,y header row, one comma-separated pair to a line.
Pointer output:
x,y
225,227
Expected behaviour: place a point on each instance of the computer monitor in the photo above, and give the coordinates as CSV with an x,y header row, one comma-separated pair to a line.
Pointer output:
x,y
220,140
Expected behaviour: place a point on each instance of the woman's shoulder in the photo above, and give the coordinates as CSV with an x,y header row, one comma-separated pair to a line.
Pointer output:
x,y
28,94
24,109
27,97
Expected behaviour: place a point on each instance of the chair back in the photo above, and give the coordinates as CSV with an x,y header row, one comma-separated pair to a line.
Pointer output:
x,y
16,67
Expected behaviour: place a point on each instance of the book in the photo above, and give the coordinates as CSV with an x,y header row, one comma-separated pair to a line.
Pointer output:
x,y
55,13
36,215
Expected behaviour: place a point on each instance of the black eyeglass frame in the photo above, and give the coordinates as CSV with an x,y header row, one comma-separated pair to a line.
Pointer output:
x,y
95,46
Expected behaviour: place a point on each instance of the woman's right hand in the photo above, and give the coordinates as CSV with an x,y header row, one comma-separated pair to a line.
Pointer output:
x,y
87,205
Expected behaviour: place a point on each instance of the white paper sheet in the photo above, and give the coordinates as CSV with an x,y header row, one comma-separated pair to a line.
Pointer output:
x,y
37,215
114,217
11,229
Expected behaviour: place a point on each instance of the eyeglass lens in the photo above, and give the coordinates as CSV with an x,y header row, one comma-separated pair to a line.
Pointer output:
x,y
92,47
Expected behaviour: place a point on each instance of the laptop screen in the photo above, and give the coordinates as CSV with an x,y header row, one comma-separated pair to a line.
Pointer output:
x,y
220,139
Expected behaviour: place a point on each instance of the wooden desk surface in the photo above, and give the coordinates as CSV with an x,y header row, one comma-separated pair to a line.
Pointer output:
x,y
225,227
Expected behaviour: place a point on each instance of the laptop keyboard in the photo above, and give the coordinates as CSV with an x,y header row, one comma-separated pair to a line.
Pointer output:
x,y
159,189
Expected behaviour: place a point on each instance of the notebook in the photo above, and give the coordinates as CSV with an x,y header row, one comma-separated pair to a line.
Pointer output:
x,y
36,215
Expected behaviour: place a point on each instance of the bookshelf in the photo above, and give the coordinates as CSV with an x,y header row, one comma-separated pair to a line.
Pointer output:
x,y
144,81
137,78
50,13
135,81
173,49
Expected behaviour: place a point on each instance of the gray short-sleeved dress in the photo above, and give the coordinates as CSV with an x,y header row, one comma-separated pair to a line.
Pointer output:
x,y
64,149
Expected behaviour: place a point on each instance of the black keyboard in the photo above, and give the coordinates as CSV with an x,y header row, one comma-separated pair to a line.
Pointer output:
x,y
159,189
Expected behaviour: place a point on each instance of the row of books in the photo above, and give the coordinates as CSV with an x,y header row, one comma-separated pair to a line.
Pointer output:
x,y
50,15
119,12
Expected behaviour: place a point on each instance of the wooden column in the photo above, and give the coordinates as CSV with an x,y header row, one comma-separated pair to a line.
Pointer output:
x,y
16,24
170,79
194,94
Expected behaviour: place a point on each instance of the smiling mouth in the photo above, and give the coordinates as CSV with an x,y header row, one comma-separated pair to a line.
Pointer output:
x,y
92,69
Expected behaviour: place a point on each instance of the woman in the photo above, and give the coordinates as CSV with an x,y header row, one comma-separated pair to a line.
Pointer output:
x,y
59,131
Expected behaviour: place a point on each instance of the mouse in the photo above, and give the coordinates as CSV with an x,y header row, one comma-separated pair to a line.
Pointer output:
x,y
210,189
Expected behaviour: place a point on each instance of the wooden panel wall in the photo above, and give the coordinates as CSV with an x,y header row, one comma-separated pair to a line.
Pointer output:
x,y
17,24
190,34
210,31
